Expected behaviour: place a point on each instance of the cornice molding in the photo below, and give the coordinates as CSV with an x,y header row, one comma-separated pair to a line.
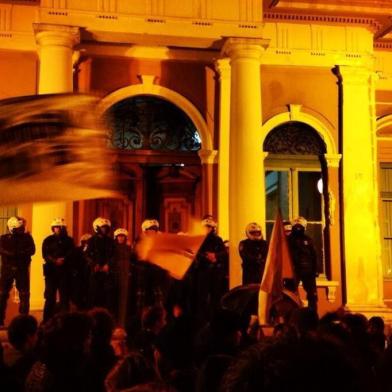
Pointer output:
x,y
373,23
383,45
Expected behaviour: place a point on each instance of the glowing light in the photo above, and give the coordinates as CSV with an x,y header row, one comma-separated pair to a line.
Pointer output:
x,y
320,186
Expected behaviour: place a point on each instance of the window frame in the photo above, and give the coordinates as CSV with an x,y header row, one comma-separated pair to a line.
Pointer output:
x,y
293,164
384,196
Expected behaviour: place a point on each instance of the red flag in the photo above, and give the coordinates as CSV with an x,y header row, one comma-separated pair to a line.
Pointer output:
x,y
278,267
172,252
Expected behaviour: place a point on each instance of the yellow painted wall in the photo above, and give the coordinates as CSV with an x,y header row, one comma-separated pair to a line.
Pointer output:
x,y
314,88
18,73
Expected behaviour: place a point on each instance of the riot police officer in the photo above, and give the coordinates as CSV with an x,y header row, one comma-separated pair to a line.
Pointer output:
x,y
304,259
122,260
208,273
150,282
253,252
16,249
57,251
79,274
100,252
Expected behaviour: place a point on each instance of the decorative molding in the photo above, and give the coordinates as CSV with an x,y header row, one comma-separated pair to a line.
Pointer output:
x,y
56,35
109,6
353,76
208,156
335,19
58,4
333,160
383,44
294,110
223,68
250,48
5,17
147,80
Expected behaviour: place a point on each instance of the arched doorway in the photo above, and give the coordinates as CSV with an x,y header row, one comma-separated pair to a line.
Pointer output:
x,y
296,181
157,147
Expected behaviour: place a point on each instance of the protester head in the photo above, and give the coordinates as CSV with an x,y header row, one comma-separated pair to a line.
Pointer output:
x,y
174,356
151,387
376,325
279,365
154,318
135,369
102,326
22,332
284,331
304,321
66,341
222,335
212,371
356,324
331,326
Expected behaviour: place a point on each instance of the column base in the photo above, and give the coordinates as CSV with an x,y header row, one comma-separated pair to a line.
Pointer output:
x,y
372,310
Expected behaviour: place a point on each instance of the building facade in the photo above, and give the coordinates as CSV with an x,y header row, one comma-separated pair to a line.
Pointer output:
x,y
234,108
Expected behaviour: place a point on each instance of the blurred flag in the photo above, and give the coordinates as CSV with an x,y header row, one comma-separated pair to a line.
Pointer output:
x,y
174,253
52,147
278,268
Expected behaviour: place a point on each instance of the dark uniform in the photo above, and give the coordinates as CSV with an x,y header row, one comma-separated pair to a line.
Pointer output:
x,y
54,247
150,284
253,254
100,252
208,280
79,277
16,250
304,259
122,271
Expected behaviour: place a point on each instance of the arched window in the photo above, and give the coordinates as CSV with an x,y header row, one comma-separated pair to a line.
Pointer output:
x,y
146,122
296,180
294,138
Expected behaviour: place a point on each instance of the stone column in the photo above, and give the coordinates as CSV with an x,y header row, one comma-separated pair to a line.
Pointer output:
x,y
56,57
223,69
362,245
55,48
246,159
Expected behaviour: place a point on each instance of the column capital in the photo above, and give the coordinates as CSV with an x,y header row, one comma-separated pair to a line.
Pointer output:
x,y
223,68
208,156
247,48
333,160
56,35
355,76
